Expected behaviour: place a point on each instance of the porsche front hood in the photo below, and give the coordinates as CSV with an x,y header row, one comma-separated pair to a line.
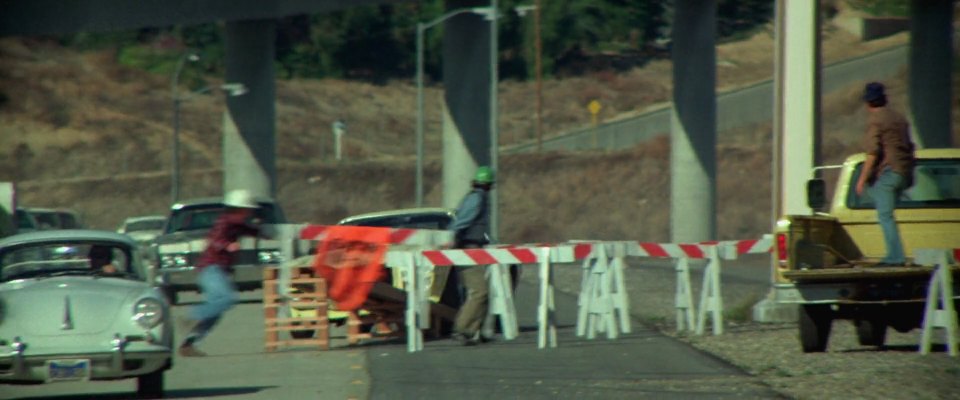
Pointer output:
x,y
66,305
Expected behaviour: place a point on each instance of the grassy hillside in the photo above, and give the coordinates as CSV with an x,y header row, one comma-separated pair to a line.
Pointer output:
x,y
78,130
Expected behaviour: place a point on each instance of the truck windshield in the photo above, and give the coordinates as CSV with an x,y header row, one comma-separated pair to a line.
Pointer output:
x,y
202,217
936,184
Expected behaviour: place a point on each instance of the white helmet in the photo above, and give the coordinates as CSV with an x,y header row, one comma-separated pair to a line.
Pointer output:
x,y
240,198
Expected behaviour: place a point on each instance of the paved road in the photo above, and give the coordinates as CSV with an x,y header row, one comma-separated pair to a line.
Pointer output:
x,y
237,368
643,364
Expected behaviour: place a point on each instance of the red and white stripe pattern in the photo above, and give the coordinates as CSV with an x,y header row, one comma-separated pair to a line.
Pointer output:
x,y
524,254
753,246
698,250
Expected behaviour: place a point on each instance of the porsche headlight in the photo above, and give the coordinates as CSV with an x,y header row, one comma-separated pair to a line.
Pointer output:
x,y
173,260
148,313
269,257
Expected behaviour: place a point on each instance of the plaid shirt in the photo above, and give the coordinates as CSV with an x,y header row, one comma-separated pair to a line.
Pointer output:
x,y
227,229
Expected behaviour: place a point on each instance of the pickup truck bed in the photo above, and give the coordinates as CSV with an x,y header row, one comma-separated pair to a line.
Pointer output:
x,y
857,272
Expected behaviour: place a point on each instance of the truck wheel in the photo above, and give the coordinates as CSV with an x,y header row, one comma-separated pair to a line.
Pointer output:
x,y
871,332
150,386
302,334
815,323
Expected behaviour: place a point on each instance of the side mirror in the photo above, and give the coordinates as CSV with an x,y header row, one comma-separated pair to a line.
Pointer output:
x,y
816,193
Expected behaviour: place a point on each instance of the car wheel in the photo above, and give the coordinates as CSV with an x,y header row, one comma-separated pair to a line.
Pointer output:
x,y
150,386
815,323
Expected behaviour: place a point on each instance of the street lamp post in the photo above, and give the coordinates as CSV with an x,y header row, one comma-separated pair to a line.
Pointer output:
x,y
494,128
490,14
421,29
175,153
231,89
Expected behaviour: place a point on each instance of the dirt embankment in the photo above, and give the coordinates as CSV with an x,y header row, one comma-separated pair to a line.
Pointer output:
x,y
78,130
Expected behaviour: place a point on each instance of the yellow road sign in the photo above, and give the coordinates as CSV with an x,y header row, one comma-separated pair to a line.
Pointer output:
x,y
594,107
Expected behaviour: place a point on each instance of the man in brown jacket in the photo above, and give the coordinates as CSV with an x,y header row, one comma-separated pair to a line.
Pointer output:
x,y
888,169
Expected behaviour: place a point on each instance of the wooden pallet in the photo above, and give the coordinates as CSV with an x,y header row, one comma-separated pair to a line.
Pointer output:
x,y
312,295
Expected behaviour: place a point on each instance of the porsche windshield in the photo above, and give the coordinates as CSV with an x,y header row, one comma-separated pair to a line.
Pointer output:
x,y
65,258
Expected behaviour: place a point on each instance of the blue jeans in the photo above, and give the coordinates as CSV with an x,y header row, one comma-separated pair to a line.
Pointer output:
x,y
219,295
885,192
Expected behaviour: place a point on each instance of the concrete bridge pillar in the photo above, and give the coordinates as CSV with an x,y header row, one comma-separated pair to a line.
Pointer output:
x,y
693,136
466,99
249,126
931,60
796,134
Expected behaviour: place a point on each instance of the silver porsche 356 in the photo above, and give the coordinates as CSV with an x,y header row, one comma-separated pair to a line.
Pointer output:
x,y
79,305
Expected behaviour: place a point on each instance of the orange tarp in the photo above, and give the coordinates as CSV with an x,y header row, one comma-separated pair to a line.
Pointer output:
x,y
350,259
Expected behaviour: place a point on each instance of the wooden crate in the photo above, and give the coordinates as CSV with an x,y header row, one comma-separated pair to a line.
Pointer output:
x,y
313,295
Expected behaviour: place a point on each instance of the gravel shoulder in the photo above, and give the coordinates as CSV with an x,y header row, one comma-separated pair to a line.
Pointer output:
x,y
771,352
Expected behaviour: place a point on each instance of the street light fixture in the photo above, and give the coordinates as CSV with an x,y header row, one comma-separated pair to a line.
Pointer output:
x,y
489,15
231,89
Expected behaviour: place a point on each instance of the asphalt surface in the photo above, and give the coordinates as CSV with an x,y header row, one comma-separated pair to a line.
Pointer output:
x,y
642,364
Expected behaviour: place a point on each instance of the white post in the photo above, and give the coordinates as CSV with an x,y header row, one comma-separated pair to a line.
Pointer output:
x,y
583,299
939,311
501,301
799,77
414,335
710,300
424,277
684,296
339,128
546,317
621,302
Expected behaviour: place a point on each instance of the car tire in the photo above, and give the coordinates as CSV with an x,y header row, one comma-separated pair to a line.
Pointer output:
x,y
815,323
150,386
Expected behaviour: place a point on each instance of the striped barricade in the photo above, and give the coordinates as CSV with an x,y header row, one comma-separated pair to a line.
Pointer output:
x,y
711,301
501,296
939,311
603,296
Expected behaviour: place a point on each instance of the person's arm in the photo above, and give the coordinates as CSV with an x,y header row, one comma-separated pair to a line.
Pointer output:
x,y
468,211
872,148
866,172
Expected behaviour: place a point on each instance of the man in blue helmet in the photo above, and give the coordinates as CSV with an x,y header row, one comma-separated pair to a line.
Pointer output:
x,y
471,227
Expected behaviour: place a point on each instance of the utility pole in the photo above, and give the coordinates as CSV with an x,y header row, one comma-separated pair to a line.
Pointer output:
x,y
538,64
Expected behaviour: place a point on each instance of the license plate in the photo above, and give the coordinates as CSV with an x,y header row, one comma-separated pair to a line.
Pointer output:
x,y
68,370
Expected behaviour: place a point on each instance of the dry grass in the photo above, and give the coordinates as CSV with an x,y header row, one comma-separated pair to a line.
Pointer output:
x,y
80,131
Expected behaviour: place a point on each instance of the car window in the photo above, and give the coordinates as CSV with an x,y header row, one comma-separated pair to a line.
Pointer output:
x,y
66,258
46,220
144,225
203,217
25,220
68,221
936,184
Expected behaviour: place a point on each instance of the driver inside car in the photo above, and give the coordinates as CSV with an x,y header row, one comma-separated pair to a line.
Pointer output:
x,y
101,257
